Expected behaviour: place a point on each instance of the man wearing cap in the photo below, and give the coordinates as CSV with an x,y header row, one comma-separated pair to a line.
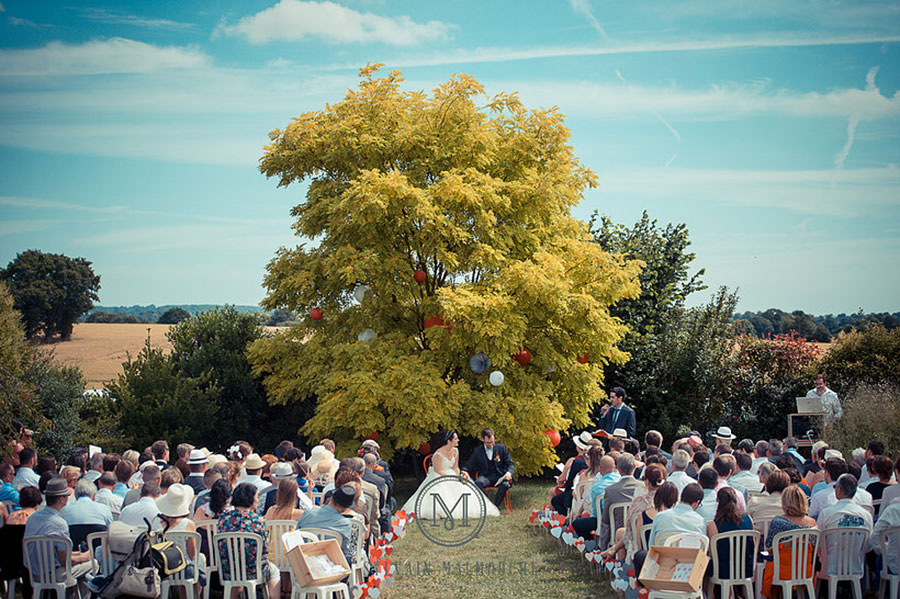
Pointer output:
x,y
198,463
563,501
830,402
331,516
47,522
616,414
723,435
279,472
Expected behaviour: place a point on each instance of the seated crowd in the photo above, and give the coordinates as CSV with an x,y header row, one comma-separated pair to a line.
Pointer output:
x,y
239,491
765,486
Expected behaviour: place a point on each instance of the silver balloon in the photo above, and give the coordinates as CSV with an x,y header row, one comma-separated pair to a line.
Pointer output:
x,y
366,336
496,378
359,292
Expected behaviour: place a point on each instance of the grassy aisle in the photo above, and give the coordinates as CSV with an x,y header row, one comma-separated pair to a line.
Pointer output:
x,y
532,564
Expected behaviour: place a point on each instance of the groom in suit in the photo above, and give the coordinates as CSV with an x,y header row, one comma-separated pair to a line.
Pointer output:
x,y
491,462
616,414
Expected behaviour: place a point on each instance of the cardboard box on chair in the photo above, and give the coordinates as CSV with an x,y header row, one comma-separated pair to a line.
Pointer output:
x,y
674,568
307,560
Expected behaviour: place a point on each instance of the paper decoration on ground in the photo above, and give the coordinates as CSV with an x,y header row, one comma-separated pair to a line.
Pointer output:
x,y
316,314
420,276
480,363
360,291
366,336
496,378
523,356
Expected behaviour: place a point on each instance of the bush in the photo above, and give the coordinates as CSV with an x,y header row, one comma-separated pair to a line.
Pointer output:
x,y
58,391
109,317
173,316
871,411
867,356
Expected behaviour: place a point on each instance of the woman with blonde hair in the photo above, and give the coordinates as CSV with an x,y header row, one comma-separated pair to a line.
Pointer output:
x,y
796,506
285,507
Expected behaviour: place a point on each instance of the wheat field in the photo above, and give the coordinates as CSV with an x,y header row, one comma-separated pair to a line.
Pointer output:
x,y
99,349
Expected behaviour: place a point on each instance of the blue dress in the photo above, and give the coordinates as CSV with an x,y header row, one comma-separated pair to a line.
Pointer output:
x,y
722,546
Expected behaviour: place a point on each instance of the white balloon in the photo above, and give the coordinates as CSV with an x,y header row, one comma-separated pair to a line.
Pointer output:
x,y
496,378
366,335
359,292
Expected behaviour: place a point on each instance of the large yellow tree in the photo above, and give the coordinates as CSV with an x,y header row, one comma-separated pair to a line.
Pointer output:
x,y
477,199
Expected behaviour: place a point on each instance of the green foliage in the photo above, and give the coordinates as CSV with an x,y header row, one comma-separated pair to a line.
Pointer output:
x,y
155,401
16,395
58,391
51,291
479,199
871,411
281,318
108,317
764,378
173,316
775,322
99,417
868,356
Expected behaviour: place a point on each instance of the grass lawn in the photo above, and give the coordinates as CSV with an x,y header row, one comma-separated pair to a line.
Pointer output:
x,y
533,565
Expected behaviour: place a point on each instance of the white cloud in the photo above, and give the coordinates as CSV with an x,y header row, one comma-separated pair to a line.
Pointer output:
x,y
583,8
103,15
503,54
295,20
114,55
719,102
817,192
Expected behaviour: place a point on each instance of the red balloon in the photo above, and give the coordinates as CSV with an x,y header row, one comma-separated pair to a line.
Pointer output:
x,y
425,448
433,321
523,357
373,436
420,276
583,359
553,436
316,314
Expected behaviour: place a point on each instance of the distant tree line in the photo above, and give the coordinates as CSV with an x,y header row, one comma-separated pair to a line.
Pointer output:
x,y
174,314
815,328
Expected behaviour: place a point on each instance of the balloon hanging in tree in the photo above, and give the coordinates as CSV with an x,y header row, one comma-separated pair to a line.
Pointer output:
x,y
433,321
480,363
583,359
420,276
373,436
496,378
316,314
523,356
553,436
425,448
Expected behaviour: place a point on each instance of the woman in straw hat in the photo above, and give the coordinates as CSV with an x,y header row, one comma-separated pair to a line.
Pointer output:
x,y
174,511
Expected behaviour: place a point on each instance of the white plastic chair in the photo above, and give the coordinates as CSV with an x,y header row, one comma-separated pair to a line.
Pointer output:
x,y
742,548
237,576
43,573
105,565
643,534
180,579
618,514
317,497
803,543
579,497
277,553
359,567
209,528
843,550
892,581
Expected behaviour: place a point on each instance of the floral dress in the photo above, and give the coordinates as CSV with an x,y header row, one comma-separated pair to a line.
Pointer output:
x,y
235,520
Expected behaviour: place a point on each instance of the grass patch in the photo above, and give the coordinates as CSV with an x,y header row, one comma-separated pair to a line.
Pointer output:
x,y
509,558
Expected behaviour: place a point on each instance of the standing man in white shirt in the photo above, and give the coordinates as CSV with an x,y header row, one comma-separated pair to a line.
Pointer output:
x,y
830,402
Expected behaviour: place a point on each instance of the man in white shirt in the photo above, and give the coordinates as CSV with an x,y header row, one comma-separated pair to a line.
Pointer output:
x,y
827,497
25,475
708,479
84,510
725,465
679,478
760,455
105,484
96,467
145,507
744,480
888,518
844,512
254,466
682,517
830,402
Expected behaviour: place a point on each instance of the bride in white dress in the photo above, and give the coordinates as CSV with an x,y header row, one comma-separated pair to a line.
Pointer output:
x,y
445,462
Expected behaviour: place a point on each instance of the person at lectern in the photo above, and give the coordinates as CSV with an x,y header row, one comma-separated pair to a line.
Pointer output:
x,y
830,402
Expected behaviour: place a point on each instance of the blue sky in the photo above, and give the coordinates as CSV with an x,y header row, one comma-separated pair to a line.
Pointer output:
x,y
130,132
